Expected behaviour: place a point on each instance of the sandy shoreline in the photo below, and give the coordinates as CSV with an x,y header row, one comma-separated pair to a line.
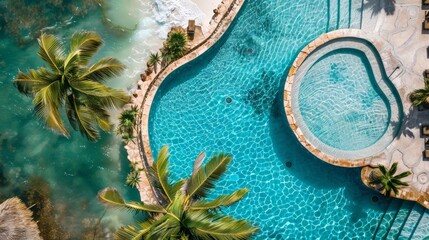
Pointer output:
x,y
207,7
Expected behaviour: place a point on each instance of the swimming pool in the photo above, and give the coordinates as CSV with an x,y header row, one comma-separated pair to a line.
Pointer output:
x,y
309,200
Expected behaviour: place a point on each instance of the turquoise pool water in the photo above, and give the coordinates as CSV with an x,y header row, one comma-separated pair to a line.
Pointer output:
x,y
310,200
340,101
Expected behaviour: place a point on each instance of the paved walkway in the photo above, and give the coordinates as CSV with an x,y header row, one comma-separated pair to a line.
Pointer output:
x,y
401,25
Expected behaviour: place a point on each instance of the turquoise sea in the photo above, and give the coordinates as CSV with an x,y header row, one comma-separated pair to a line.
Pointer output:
x,y
36,163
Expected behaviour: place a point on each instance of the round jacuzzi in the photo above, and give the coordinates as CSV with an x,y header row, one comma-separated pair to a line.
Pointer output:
x,y
342,104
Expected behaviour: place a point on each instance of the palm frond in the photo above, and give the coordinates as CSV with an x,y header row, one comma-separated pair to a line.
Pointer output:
x,y
47,102
86,122
222,201
382,169
392,169
98,94
167,227
426,81
111,197
397,182
134,232
103,69
223,228
83,46
402,175
51,50
70,111
35,80
419,96
198,162
203,181
161,173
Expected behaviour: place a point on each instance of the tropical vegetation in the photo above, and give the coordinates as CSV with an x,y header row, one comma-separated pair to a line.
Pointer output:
x,y
388,180
154,60
181,210
133,177
420,97
126,125
175,46
72,83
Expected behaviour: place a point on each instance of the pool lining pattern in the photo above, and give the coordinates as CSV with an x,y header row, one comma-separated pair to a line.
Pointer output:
x,y
390,65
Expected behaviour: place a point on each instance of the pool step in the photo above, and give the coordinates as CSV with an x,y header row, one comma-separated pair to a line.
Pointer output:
x,y
356,7
399,221
333,15
344,13
386,221
422,229
411,223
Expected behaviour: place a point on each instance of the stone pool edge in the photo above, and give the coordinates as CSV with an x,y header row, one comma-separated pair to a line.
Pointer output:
x,y
391,64
139,152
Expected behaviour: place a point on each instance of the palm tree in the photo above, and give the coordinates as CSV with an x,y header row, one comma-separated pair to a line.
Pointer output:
x,y
126,125
133,178
421,96
167,58
183,213
387,179
16,221
175,46
154,60
73,83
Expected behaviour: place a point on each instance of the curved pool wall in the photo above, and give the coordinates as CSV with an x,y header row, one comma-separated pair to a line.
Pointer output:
x,y
387,68
292,193
382,127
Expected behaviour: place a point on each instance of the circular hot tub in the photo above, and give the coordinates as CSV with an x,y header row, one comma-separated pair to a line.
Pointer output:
x,y
340,102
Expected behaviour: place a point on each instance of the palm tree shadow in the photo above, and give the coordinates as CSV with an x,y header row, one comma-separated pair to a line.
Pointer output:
x,y
379,5
409,121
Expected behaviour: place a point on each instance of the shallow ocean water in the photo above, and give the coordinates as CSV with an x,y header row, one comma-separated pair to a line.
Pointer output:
x,y
75,169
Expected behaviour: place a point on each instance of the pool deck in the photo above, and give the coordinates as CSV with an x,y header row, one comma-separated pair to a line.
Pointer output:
x,y
403,30
139,151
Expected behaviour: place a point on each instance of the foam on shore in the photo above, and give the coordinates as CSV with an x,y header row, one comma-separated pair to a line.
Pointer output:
x,y
152,20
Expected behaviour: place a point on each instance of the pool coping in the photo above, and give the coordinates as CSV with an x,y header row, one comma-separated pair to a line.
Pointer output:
x,y
390,65
139,151
383,84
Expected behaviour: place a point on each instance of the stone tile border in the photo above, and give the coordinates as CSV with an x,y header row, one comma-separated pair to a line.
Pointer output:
x,y
390,65
406,193
139,152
